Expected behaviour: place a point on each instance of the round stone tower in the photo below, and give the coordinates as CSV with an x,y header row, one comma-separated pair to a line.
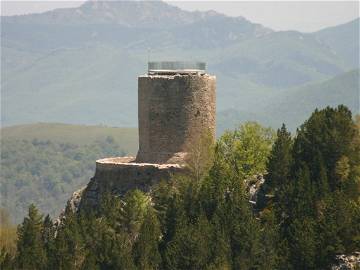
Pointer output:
x,y
176,103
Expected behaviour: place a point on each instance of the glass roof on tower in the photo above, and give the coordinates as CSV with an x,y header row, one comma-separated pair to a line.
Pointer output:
x,y
173,67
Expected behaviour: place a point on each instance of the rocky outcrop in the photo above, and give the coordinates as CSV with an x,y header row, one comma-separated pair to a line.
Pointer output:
x,y
253,185
74,202
347,262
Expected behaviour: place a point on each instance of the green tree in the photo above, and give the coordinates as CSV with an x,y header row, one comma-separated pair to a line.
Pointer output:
x,y
30,247
278,168
243,228
220,249
69,244
133,211
146,248
332,134
246,149
303,244
48,238
317,213
189,247
280,160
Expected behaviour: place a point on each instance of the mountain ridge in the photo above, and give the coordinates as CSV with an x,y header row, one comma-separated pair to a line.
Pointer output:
x,y
149,14
86,73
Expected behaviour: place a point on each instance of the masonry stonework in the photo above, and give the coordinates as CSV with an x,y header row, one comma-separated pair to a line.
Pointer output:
x,y
175,107
120,174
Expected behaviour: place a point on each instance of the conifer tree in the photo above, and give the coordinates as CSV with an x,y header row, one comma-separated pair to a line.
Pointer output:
x,y
303,243
271,248
220,250
135,206
325,192
48,238
332,134
189,247
280,159
278,168
69,244
243,228
30,247
146,248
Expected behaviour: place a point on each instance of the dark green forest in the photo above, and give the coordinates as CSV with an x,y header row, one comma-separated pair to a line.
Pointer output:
x,y
46,171
307,211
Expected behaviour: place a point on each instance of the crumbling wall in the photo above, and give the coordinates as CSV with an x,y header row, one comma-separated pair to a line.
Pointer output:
x,y
121,174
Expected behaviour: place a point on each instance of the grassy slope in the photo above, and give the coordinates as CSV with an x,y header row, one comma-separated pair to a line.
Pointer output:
x,y
127,138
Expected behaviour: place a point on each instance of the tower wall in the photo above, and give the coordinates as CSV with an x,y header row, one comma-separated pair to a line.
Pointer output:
x,y
172,111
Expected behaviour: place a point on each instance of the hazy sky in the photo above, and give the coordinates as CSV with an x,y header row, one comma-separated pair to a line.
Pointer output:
x,y
304,16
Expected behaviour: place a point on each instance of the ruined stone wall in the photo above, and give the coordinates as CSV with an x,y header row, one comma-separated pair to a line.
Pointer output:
x,y
173,109
121,174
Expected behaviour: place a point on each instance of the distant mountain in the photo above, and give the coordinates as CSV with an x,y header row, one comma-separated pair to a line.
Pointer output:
x,y
146,14
79,65
344,40
157,24
293,106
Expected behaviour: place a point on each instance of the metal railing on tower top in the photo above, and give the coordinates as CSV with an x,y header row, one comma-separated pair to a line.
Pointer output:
x,y
173,67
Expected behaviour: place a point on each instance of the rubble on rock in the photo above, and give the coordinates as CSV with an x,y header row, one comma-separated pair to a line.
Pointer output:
x,y
347,262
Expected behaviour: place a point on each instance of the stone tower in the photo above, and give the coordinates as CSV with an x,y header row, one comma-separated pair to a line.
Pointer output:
x,y
176,103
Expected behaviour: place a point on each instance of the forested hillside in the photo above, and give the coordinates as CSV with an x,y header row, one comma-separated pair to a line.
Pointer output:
x,y
45,163
308,209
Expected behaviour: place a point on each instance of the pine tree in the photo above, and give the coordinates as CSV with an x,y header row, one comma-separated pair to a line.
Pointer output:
x,y
132,213
146,248
303,244
69,244
30,247
48,238
189,247
280,159
278,168
329,231
332,134
271,248
220,250
298,223
242,227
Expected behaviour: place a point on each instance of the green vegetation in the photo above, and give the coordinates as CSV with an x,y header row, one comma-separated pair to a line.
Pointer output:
x,y
73,134
44,163
310,210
